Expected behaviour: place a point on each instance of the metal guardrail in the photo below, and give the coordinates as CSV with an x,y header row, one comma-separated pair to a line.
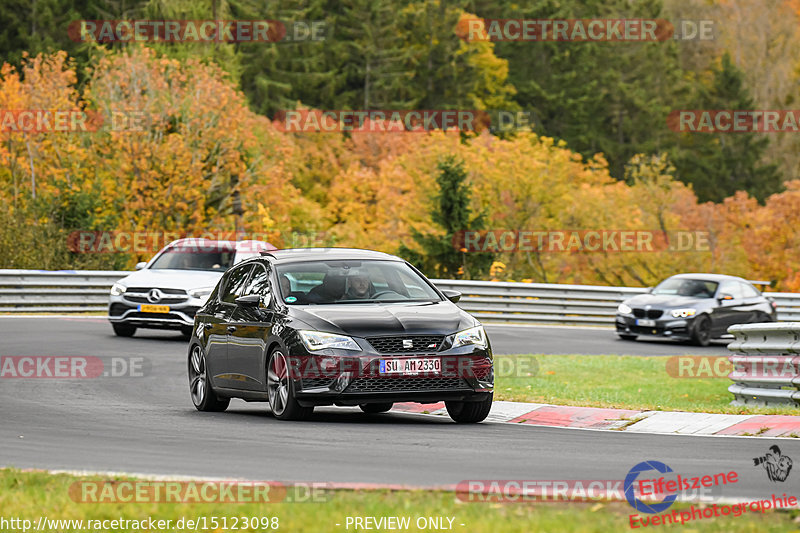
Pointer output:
x,y
65,291
540,303
766,359
56,291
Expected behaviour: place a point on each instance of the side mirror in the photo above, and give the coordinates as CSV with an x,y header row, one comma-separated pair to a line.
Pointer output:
x,y
141,265
724,297
453,296
251,300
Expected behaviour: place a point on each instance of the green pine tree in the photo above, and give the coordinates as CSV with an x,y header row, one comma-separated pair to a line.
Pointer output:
x,y
719,164
440,254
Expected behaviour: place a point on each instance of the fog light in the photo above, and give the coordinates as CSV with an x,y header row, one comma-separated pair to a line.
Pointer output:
x,y
328,366
342,381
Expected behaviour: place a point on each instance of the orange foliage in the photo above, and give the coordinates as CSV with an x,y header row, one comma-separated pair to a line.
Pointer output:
x,y
203,162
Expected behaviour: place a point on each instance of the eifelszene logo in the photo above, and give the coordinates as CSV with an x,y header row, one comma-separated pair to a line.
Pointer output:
x,y
630,484
777,466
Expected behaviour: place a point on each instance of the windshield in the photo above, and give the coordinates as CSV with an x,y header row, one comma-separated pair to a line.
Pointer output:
x,y
696,288
329,282
191,258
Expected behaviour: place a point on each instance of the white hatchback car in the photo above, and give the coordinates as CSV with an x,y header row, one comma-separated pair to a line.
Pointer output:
x,y
165,292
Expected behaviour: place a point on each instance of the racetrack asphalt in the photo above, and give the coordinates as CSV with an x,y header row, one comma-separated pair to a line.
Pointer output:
x,y
148,425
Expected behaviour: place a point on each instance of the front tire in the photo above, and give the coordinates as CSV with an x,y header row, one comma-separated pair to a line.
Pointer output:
x,y
203,396
375,408
701,332
121,330
281,391
469,412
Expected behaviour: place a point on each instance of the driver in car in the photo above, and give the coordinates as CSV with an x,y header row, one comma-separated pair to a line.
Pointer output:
x,y
359,286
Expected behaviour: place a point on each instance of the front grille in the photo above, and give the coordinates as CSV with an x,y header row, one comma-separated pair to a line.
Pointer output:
x,y
313,383
650,313
419,343
168,296
406,384
148,289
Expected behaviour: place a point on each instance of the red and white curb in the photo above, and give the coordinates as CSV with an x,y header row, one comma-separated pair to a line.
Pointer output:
x,y
668,422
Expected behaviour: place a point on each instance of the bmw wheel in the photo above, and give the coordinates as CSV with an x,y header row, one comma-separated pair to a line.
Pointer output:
x,y
203,396
280,390
701,332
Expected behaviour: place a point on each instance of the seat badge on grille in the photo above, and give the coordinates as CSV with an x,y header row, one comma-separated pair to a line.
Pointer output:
x,y
408,343
432,345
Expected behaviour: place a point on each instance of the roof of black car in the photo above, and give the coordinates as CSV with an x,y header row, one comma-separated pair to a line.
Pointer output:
x,y
709,277
293,255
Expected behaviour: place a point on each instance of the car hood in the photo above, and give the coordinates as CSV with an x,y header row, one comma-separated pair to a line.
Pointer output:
x,y
363,320
668,301
172,279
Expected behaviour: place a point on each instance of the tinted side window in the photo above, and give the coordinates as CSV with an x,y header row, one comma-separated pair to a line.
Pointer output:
x,y
259,282
235,286
749,291
734,288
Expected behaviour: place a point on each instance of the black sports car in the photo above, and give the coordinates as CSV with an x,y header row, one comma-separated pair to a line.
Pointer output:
x,y
693,307
334,326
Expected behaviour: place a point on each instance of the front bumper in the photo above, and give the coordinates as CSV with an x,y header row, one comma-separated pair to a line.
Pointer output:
x,y
674,328
181,314
467,375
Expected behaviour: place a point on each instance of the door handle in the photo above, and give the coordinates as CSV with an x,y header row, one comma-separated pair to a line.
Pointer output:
x,y
231,329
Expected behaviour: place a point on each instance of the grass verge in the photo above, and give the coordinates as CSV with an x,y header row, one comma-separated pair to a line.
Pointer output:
x,y
29,495
617,381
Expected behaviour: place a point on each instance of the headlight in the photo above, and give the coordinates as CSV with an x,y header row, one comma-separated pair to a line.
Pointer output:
x,y
625,309
117,289
201,292
316,340
475,336
683,313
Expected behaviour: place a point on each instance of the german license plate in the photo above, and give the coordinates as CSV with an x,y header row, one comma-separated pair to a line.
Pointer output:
x,y
646,322
145,308
427,365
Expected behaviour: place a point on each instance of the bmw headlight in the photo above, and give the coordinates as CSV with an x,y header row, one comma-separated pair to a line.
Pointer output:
x,y
317,340
475,336
117,289
684,313
625,309
201,293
